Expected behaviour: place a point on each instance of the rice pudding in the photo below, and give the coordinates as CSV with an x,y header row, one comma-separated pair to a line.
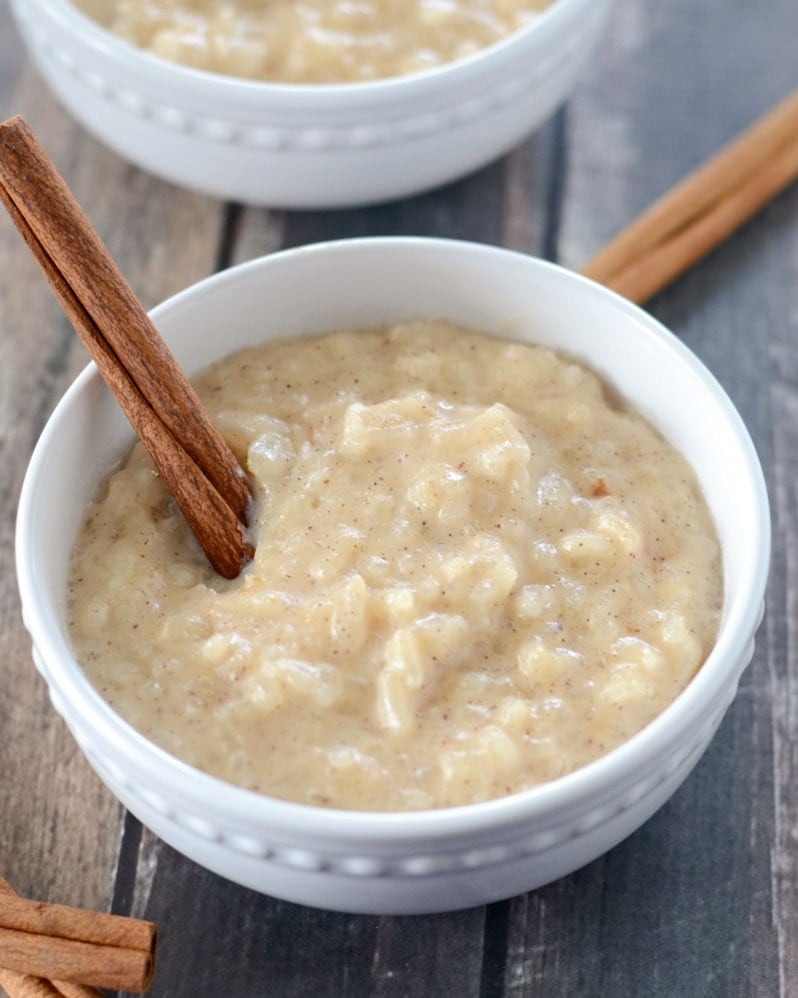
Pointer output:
x,y
475,571
315,41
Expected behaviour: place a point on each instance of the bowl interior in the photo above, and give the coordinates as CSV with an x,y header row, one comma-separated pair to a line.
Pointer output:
x,y
363,282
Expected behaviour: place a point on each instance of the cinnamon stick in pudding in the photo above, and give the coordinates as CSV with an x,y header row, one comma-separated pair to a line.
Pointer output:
x,y
196,464
58,943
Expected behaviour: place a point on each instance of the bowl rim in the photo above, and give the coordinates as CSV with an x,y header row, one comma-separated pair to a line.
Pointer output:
x,y
565,794
553,19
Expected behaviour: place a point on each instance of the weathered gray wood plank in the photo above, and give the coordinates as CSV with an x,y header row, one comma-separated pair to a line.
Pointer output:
x,y
226,940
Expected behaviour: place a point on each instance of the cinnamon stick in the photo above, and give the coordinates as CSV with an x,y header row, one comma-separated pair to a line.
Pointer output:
x,y
58,943
69,989
24,986
72,960
196,464
67,236
702,210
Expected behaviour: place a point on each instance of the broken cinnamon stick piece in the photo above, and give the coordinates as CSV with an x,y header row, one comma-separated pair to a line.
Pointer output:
x,y
24,986
68,989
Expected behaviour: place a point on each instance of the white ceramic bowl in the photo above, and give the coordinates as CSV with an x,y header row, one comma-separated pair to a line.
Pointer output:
x,y
435,860
310,146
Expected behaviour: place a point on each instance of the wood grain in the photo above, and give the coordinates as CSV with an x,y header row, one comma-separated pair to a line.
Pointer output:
x,y
702,902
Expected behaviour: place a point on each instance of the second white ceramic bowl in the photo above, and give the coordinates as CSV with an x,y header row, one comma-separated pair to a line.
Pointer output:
x,y
435,860
298,146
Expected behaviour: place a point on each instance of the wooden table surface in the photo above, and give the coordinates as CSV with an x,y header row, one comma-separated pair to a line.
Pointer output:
x,y
701,901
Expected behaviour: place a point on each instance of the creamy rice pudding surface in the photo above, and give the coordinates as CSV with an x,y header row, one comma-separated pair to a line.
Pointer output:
x,y
312,41
474,572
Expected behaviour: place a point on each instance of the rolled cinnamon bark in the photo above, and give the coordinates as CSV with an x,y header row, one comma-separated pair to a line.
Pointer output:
x,y
74,945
